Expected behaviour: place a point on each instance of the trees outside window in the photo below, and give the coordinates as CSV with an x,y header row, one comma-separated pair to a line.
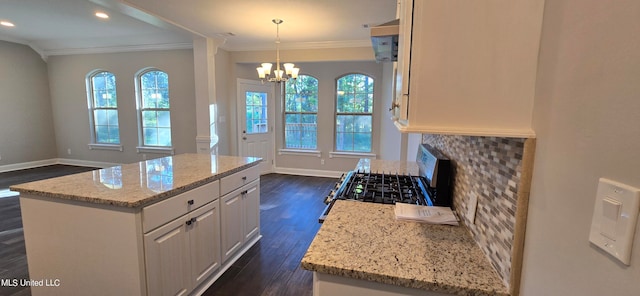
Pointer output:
x,y
154,115
354,113
103,108
301,113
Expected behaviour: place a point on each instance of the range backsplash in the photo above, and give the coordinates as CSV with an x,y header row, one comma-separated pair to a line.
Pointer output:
x,y
491,169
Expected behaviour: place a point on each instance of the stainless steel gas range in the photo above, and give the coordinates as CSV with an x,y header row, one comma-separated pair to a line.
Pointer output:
x,y
432,187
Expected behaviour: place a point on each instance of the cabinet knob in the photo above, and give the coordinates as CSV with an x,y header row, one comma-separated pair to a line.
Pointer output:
x,y
189,222
393,106
190,202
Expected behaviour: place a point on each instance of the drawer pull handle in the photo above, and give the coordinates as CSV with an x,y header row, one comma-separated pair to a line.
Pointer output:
x,y
244,192
190,202
191,221
244,178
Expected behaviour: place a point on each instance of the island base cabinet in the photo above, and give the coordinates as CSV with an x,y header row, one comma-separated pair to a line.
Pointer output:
x,y
183,253
82,250
329,285
240,213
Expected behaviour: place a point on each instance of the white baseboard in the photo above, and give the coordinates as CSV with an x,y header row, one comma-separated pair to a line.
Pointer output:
x,y
308,172
86,163
26,165
52,161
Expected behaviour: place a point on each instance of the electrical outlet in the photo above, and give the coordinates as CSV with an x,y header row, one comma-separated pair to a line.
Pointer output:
x,y
69,151
322,161
472,207
0,156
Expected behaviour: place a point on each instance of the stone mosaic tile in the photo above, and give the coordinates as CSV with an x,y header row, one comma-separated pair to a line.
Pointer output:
x,y
489,168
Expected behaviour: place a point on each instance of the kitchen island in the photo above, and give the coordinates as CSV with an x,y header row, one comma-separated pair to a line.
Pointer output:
x,y
165,226
361,249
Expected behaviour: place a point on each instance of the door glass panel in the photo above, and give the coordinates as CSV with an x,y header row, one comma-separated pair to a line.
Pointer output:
x,y
256,117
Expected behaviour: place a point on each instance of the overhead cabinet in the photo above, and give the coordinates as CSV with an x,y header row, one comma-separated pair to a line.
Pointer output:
x,y
467,67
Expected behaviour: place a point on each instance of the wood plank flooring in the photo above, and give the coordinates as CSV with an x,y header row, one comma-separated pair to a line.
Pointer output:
x,y
289,210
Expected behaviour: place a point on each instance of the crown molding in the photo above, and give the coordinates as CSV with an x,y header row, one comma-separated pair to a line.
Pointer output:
x,y
117,49
298,45
38,50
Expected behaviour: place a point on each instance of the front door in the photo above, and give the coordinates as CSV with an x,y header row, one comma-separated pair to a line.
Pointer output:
x,y
255,121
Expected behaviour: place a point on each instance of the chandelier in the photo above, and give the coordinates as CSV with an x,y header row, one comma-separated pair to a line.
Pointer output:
x,y
289,72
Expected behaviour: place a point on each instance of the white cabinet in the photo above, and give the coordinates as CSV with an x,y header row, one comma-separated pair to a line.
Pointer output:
x,y
467,67
183,253
170,247
240,211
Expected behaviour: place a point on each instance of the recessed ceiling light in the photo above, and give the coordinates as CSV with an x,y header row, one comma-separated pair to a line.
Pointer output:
x,y
102,15
7,24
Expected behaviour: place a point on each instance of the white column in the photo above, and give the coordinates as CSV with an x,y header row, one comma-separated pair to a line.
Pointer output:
x,y
204,50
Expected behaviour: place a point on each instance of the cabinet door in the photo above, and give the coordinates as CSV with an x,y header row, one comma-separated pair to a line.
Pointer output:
x,y
204,236
167,259
251,199
402,68
231,214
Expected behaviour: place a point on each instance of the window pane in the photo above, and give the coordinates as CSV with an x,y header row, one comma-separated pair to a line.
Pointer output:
x,y
301,106
150,136
164,137
103,106
256,112
149,119
354,96
102,134
163,119
112,116
100,117
114,134
362,142
362,123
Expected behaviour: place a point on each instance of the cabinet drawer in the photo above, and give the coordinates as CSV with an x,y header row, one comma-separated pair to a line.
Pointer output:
x,y
162,212
239,179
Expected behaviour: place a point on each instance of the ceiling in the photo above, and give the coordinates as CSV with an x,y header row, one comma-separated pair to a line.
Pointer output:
x,y
69,26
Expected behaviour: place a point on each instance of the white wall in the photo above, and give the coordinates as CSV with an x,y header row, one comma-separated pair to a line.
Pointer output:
x,y
26,123
69,100
587,121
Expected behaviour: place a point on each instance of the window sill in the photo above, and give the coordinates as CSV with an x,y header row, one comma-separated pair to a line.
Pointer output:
x,y
112,147
335,154
159,150
301,152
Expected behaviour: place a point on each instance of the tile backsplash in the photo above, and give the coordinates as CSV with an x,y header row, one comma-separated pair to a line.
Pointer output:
x,y
489,168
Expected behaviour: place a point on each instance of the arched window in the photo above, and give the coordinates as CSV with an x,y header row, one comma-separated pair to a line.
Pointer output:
x,y
354,113
103,110
301,113
154,115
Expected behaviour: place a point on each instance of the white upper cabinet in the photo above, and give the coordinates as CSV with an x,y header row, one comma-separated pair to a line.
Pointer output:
x,y
467,67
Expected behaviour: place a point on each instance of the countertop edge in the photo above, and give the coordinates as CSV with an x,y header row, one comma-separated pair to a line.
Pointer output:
x,y
139,203
397,281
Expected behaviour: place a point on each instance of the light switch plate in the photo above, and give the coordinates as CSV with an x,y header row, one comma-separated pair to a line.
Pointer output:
x,y
614,218
472,207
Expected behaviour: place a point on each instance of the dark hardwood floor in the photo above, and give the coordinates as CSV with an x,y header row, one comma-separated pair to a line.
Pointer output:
x,y
289,210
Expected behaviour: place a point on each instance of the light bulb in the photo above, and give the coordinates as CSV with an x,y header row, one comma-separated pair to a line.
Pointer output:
x,y
267,68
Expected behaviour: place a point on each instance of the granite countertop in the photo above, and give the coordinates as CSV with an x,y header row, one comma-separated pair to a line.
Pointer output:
x,y
139,184
438,258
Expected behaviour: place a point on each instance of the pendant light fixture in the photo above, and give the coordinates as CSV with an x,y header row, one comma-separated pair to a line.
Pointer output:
x,y
279,75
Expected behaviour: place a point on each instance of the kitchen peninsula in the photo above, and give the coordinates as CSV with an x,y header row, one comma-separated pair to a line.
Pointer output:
x,y
165,226
361,249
